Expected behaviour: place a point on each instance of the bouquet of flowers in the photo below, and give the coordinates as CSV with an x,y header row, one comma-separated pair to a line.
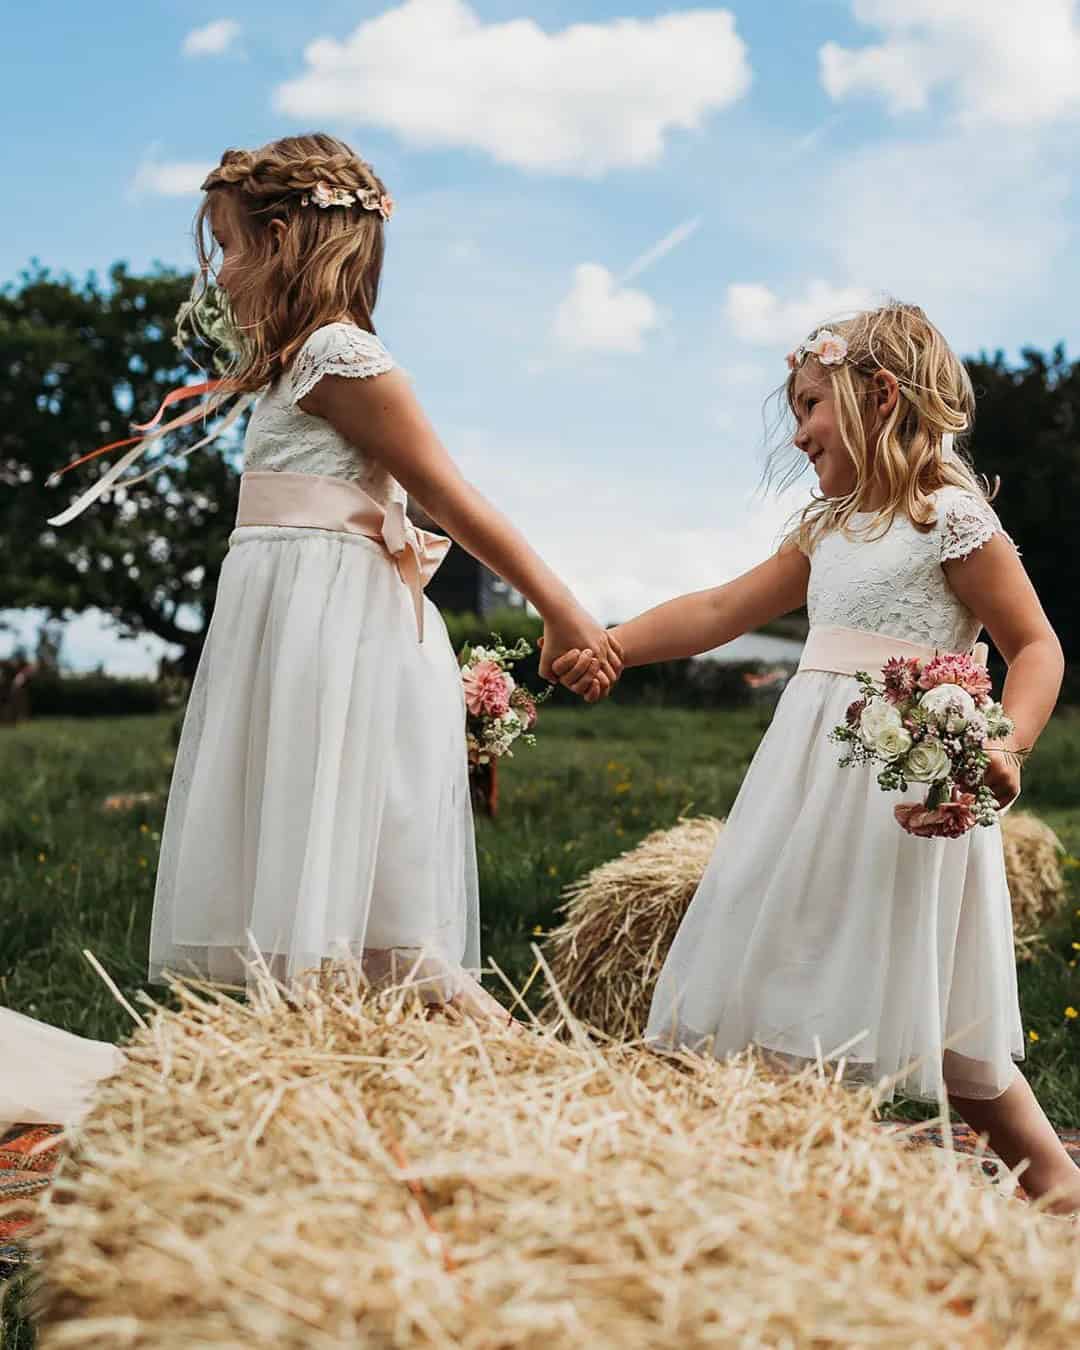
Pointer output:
x,y
500,711
928,722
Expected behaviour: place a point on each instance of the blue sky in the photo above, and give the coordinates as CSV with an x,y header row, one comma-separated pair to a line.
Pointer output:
x,y
613,218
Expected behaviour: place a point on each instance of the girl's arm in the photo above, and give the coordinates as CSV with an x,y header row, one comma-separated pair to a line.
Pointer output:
x,y
992,583
706,619
382,418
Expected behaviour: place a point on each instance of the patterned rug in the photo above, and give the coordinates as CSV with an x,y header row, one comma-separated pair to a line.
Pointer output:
x,y
966,1141
27,1160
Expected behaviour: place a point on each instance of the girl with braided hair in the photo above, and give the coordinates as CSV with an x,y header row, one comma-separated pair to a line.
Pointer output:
x,y
320,801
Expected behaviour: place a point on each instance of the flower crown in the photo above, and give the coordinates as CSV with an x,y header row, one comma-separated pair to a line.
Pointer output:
x,y
830,349
324,195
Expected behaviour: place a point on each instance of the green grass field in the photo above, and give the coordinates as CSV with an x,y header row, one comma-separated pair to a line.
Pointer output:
x,y
73,875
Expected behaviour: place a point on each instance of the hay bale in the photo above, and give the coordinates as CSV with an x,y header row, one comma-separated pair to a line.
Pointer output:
x,y
619,922
620,919
342,1170
1033,855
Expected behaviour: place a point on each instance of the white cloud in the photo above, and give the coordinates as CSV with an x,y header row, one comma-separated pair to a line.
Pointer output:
x,y
599,315
214,39
972,232
168,178
1003,62
758,315
624,542
582,100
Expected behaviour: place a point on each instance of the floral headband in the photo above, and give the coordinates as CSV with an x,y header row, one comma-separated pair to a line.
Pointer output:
x,y
830,349
324,195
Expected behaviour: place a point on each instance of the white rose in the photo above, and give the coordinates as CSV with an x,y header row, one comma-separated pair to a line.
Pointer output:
x,y
882,729
948,698
878,715
928,762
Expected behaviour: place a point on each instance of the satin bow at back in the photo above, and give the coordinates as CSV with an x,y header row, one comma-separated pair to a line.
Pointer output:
x,y
312,501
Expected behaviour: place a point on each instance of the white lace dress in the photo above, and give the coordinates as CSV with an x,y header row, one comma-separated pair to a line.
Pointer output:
x,y
818,921
320,801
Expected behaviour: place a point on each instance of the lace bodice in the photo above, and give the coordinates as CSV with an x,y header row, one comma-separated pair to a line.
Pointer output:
x,y
896,584
281,436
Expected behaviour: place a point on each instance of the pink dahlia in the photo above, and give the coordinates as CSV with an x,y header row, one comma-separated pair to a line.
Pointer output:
x,y
486,693
955,668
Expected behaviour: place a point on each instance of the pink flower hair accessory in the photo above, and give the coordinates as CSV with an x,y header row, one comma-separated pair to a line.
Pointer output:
x,y
830,349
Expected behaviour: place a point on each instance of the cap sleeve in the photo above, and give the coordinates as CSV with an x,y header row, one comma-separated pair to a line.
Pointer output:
x,y
966,522
338,349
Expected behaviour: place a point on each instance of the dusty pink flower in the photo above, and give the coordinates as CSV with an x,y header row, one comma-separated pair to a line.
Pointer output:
x,y
956,668
855,711
901,676
829,347
948,821
486,693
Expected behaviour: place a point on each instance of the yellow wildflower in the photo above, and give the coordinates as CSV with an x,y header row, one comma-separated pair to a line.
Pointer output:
x,y
1033,1035
1071,1012
538,931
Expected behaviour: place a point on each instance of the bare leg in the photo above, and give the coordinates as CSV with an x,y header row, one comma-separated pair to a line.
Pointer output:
x,y
1018,1129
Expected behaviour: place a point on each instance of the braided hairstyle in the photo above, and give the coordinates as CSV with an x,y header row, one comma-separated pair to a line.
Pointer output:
x,y
315,267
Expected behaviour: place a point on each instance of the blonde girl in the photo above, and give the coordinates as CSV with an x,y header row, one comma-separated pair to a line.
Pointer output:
x,y
819,925
320,801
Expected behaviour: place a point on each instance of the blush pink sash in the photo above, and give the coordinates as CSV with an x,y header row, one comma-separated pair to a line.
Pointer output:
x,y
313,502
845,651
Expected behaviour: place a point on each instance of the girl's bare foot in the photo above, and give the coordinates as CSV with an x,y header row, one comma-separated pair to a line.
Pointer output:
x,y
1019,1132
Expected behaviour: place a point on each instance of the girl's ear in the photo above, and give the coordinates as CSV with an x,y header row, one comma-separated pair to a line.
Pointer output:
x,y
886,391
277,229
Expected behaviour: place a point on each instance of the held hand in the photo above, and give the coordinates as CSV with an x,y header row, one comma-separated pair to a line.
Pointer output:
x,y
597,657
1003,774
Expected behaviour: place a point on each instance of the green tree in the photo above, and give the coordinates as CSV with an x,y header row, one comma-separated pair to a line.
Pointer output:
x,y
1027,433
79,363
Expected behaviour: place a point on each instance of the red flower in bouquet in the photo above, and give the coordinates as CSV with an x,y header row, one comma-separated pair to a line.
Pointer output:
x,y
901,678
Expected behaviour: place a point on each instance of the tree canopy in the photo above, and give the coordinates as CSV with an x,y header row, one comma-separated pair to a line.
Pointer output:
x,y
78,364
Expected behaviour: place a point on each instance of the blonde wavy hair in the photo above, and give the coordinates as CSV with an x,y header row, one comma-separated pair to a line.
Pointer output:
x,y
905,456
325,266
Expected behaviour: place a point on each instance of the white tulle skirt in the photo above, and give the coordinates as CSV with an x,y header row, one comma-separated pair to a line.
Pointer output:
x,y
48,1076
820,924
320,805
